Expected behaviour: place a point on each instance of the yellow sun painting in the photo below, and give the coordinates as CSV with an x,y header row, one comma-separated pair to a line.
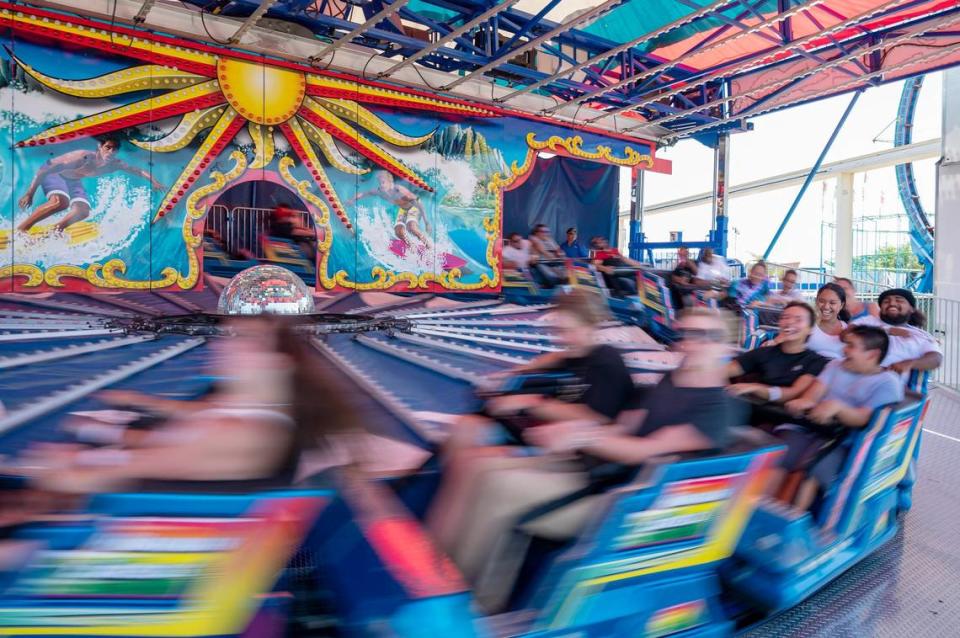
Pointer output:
x,y
221,94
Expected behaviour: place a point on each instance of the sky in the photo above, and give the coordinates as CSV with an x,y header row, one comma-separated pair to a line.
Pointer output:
x,y
790,140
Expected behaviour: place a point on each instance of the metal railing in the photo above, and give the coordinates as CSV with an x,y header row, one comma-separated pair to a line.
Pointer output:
x,y
943,321
667,260
241,227
810,279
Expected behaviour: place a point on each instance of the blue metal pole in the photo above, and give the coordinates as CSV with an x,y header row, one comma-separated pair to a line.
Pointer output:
x,y
636,216
812,174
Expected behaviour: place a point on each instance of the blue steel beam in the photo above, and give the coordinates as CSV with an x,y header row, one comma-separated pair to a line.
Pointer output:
x,y
531,24
626,48
812,173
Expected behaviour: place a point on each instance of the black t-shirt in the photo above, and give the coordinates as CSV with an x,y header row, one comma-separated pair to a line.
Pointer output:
x,y
711,410
606,380
773,366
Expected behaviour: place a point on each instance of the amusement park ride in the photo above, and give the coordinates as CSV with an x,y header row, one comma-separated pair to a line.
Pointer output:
x,y
691,547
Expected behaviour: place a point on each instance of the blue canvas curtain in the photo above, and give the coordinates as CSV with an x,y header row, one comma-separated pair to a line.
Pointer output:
x,y
563,192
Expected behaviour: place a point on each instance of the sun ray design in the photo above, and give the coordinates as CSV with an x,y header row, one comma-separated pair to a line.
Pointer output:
x,y
223,131
353,112
140,78
321,86
301,146
323,118
186,131
220,91
263,145
325,142
152,109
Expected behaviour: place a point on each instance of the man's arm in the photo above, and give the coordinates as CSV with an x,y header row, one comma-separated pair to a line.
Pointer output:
x,y
929,361
356,198
632,450
766,392
809,399
854,417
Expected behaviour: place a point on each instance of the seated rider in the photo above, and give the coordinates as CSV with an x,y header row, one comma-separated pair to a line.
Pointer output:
x,y
752,290
687,412
788,291
712,269
843,397
911,347
518,255
781,372
681,280
858,309
832,320
284,224
271,404
607,259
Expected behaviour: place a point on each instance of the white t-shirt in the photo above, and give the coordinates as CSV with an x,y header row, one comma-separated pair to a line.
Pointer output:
x,y
715,270
544,246
824,344
783,298
520,256
919,343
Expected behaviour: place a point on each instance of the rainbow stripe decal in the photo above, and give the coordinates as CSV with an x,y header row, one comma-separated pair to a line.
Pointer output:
x,y
685,510
890,452
680,617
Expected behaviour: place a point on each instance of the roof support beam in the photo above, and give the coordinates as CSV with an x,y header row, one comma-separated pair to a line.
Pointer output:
x,y
387,11
755,62
252,20
453,35
683,58
920,31
590,15
840,88
696,15
144,10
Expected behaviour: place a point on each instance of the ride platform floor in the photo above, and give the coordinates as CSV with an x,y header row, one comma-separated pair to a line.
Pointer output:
x,y
911,586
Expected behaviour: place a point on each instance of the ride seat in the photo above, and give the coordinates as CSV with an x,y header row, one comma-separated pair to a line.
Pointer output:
x,y
786,555
691,509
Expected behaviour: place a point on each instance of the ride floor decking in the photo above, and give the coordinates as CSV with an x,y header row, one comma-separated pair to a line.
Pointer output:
x,y
910,587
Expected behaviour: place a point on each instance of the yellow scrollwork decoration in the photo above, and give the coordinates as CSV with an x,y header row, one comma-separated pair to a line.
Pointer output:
x,y
33,273
574,147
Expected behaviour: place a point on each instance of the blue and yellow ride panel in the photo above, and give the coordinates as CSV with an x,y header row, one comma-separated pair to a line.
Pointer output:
x,y
137,573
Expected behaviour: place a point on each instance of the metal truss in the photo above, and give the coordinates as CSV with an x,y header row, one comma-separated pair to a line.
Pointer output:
x,y
592,78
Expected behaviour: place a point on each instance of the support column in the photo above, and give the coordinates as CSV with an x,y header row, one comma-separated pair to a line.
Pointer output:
x,y
843,238
721,163
636,215
946,268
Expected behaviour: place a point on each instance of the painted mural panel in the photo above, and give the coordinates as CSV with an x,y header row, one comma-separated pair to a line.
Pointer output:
x,y
7,176
124,140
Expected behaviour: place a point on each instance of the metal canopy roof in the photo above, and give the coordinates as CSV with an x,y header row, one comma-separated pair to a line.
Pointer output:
x,y
651,68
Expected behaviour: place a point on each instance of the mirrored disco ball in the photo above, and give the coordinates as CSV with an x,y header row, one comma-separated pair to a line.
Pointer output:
x,y
266,290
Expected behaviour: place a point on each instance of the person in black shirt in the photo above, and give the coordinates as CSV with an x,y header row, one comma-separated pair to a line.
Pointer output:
x,y
781,372
602,380
680,281
686,413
